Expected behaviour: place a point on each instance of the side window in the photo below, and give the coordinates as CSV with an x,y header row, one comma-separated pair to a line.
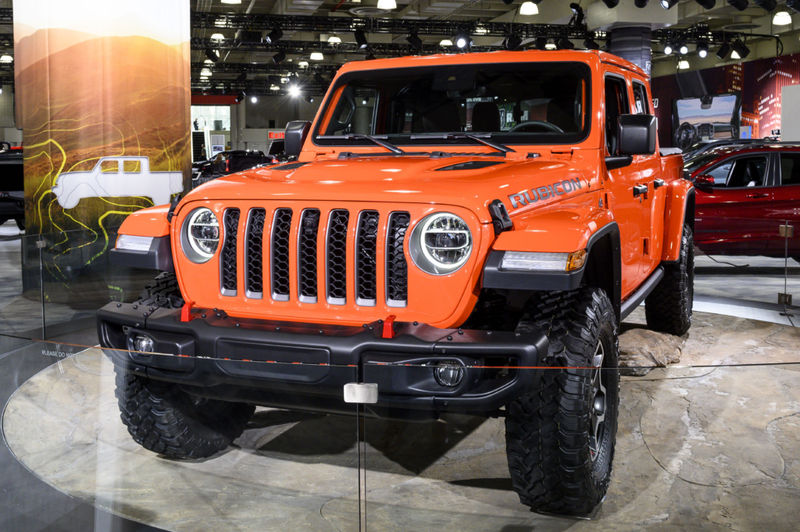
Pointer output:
x,y
790,169
741,173
640,102
616,105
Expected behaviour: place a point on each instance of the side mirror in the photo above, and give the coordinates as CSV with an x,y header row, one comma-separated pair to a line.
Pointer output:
x,y
637,134
295,136
704,181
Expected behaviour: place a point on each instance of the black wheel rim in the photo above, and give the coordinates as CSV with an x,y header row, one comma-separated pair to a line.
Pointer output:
x,y
598,403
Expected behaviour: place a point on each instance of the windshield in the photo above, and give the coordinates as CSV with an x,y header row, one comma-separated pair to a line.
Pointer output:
x,y
519,103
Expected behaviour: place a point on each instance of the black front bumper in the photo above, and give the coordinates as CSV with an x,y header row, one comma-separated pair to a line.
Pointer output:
x,y
305,367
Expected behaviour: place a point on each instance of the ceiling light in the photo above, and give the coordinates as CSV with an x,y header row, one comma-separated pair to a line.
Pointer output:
x,y
446,42
742,50
722,53
668,49
284,80
707,4
217,37
769,5
550,46
279,57
563,43
414,41
667,4
590,44
735,55
782,18
239,97
683,64
205,72
254,99
273,36
640,3
387,4
230,1
220,23
361,39
203,78
528,9
741,5
294,91
611,3
317,56
702,49
207,61
683,48
540,43
333,39
463,41
274,88
302,64
212,55
512,42
793,4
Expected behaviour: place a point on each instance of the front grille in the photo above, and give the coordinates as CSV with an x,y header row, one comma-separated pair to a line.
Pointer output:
x,y
337,257
319,265
227,262
281,227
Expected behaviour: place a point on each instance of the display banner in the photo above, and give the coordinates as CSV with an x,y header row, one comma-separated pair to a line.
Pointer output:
x,y
103,97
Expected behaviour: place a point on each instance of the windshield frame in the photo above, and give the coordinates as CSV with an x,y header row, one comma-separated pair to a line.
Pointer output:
x,y
418,139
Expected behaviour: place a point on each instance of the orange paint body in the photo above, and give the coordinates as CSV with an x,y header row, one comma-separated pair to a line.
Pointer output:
x,y
575,196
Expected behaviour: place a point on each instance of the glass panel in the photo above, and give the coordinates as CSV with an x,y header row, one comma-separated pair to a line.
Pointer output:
x,y
20,293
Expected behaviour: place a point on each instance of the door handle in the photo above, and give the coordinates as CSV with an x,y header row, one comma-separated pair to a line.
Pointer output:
x,y
756,195
658,183
638,190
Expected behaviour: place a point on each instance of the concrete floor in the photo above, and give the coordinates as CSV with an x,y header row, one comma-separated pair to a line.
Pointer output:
x,y
713,444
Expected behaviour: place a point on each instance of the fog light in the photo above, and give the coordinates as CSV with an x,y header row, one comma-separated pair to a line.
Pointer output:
x,y
143,344
449,373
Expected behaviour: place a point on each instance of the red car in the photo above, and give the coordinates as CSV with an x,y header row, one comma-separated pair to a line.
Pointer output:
x,y
743,195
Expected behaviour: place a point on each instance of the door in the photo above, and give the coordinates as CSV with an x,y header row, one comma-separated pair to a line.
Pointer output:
x,y
731,217
785,206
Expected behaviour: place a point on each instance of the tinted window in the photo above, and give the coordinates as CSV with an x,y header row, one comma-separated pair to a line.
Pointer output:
x,y
616,104
640,102
740,173
790,169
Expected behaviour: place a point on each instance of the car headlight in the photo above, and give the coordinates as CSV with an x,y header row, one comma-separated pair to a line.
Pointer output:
x,y
441,243
200,235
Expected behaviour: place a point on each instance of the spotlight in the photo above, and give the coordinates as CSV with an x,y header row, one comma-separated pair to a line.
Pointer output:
x,y
577,14
683,64
241,77
387,5
369,56
683,48
702,49
279,57
528,9
590,44
722,53
741,5
611,4
666,4
213,55
415,41
239,98
769,5
793,4
540,43
707,4
562,43
316,56
294,91
741,49
782,18
640,3
273,36
361,39
463,41
668,49
254,99
513,42
334,39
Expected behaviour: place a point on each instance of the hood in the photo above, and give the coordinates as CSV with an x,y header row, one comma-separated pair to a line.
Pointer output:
x,y
472,182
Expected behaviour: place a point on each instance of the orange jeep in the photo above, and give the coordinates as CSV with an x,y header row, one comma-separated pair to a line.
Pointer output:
x,y
451,222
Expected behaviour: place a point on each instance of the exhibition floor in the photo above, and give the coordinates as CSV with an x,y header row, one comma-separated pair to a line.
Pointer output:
x,y
710,443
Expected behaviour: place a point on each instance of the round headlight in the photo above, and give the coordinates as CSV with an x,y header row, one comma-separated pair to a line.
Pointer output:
x,y
200,235
441,243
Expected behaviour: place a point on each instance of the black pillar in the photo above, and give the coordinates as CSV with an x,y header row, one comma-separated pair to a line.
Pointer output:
x,y
632,43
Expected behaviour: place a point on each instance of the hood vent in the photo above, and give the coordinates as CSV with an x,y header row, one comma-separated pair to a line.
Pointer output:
x,y
470,165
292,166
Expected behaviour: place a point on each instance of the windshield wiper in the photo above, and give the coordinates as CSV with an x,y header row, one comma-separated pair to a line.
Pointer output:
x,y
453,136
358,136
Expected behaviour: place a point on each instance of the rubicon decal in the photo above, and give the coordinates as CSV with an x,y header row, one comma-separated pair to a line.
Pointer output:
x,y
528,197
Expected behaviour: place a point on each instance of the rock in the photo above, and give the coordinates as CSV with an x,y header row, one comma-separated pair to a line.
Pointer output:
x,y
641,350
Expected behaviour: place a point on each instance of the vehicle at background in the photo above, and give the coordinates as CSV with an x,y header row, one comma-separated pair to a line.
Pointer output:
x,y
452,223
704,146
278,150
744,193
228,162
12,185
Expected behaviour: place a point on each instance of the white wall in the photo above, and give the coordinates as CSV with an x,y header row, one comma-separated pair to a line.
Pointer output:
x,y
790,113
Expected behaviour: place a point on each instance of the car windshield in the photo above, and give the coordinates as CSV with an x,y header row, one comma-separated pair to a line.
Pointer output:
x,y
700,160
519,103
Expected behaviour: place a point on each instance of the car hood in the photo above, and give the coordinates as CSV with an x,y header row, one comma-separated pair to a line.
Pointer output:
x,y
472,182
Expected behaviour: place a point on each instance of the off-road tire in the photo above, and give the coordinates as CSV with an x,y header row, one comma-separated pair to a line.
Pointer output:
x,y
163,419
668,308
162,292
555,464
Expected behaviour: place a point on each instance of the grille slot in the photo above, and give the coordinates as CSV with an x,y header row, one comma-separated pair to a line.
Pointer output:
x,y
336,267
366,250
307,255
227,257
254,254
281,226
396,266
